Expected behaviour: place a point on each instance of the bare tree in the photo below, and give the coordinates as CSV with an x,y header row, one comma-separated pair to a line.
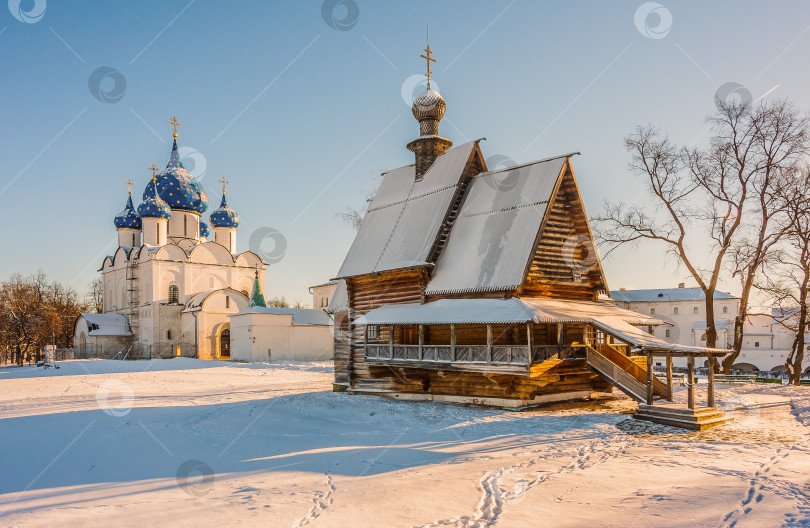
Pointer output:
x,y
788,281
95,295
697,194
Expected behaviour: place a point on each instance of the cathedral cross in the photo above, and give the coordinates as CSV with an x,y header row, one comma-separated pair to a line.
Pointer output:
x,y
128,183
224,182
428,59
154,170
174,123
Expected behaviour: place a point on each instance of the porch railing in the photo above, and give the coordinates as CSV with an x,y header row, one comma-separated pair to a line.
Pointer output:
x,y
510,355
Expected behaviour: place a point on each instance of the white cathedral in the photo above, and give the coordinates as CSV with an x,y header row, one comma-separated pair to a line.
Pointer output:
x,y
169,291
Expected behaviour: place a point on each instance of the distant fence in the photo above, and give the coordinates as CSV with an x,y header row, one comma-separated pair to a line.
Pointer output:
x,y
129,352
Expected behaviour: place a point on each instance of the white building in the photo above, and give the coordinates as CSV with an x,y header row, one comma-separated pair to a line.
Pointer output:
x,y
322,294
174,284
766,343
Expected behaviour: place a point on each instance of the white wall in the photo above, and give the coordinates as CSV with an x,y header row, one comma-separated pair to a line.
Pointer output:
x,y
252,334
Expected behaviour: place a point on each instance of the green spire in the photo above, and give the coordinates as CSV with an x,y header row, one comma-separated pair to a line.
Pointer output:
x,y
256,296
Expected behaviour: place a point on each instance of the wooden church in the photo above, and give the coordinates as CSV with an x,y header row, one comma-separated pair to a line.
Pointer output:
x,y
470,285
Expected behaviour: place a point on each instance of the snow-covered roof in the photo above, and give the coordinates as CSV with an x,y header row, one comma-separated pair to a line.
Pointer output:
x,y
300,316
701,325
327,283
340,299
613,320
666,294
494,235
106,324
404,218
197,300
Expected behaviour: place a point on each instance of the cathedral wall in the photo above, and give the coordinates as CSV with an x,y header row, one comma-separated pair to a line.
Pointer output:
x,y
184,225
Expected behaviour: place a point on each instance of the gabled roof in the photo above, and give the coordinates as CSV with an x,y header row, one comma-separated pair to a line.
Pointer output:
x,y
666,294
493,238
405,216
106,324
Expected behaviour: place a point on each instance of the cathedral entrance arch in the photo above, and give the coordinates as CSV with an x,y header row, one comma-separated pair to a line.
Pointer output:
x,y
225,343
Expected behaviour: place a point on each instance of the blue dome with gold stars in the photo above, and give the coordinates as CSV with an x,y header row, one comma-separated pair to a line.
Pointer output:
x,y
204,231
224,216
153,205
178,188
128,218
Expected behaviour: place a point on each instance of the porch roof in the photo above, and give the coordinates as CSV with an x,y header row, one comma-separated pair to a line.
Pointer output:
x,y
618,322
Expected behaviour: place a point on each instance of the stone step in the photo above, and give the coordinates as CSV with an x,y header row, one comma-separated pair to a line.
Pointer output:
x,y
678,410
684,417
685,424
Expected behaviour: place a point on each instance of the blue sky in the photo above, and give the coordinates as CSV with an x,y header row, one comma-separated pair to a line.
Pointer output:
x,y
300,117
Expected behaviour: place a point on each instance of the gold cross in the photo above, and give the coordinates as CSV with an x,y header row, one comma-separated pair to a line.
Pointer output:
x,y
174,123
154,170
224,182
429,59
128,183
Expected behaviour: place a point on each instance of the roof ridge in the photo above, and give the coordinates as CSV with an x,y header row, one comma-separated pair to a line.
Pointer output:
x,y
528,163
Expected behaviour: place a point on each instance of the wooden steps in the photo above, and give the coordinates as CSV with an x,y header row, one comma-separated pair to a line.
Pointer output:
x,y
678,416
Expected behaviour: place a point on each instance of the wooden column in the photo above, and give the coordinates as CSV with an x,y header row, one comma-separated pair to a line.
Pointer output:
x,y
529,341
710,397
649,379
452,342
489,343
390,341
421,342
690,382
669,377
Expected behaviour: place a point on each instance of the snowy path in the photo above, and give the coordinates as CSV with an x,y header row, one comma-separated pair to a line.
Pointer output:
x,y
193,443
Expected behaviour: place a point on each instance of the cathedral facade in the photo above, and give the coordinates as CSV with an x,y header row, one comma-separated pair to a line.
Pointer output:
x,y
173,282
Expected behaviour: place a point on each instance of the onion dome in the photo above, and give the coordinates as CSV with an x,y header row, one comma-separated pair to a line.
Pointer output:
x,y
429,109
204,231
224,216
178,188
153,205
128,218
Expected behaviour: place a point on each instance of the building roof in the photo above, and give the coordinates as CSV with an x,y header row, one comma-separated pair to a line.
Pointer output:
x,y
106,324
340,299
494,236
327,283
607,317
666,294
300,316
404,217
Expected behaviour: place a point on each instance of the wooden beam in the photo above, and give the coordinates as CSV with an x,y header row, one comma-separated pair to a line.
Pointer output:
x,y
453,342
669,378
649,379
421,342
390,341
710,396
690,383
529,341
489,343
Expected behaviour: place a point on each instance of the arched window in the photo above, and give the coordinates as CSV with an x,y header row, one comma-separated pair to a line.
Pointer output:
x,y
725,309
169,335
157,231
227,302
675,310
668,333
695,310
652,311
185,226
133,239
174,294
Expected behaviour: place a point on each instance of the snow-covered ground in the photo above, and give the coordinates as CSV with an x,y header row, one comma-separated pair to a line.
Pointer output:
x,y
192,443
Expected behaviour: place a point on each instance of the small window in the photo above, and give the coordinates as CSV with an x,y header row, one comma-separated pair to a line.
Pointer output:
x,y
227,302
725,309
169,335
372,332
668,333
695,310
157,230
756,344
675,310
652,311
174,294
